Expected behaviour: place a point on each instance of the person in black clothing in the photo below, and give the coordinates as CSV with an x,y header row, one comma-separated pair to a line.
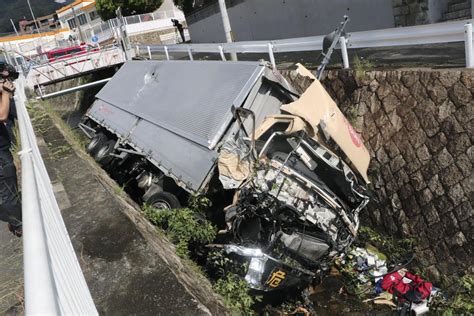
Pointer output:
x,y
10,205
180,28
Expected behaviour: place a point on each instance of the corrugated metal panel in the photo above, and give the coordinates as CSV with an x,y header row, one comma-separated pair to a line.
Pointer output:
x,y
186,160
189,98
114,118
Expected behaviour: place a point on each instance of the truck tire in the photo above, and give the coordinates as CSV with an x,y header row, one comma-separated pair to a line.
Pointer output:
x,y
164,200
96,142
102,155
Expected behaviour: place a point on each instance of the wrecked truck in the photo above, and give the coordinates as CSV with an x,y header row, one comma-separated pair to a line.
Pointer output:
x,y
286,170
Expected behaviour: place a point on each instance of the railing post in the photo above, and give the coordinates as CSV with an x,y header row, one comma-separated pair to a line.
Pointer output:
x,y
270,54
166,53
190,53
468,44
221,51
345,58
149,52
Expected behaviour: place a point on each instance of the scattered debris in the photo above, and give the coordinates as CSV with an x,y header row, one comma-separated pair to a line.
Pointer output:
x,y
397,288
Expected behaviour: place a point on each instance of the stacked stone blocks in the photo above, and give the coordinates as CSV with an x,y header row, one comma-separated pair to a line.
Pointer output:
x,y
418,126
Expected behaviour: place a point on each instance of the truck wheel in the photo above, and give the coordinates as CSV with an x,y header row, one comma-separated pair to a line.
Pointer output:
x,y
164,200
96,142
103,153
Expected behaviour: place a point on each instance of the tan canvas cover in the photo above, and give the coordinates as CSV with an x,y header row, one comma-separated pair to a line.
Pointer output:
x,y
230,165
317,108
300,69
296,124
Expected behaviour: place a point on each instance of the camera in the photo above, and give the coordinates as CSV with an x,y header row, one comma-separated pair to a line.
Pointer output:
x,y
12,73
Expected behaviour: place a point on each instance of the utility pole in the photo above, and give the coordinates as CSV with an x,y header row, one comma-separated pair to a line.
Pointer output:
x,y
34,18
37,25
123,34
14,27
227,29
78,25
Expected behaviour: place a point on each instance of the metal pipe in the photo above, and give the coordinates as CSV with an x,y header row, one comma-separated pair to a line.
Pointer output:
x,y
14,27
272,57
345,58
73,89
149,52
166,53
33,16
468,45
227,29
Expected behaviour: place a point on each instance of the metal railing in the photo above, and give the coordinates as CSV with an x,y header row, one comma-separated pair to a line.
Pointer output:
x,y
106,30
54,283
43,74
447,32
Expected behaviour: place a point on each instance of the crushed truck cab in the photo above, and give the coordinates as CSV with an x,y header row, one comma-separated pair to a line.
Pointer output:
x,y
294,166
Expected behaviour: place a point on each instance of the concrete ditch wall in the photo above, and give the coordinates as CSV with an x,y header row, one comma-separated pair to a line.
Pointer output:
x,y
418,126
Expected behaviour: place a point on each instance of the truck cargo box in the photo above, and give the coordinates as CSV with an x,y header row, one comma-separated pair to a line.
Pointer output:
x,y
179,111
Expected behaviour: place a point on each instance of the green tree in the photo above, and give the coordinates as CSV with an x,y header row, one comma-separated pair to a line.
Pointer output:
x,y
106,8
185,5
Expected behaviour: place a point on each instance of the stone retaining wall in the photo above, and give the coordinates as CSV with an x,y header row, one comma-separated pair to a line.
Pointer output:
x,y
418,126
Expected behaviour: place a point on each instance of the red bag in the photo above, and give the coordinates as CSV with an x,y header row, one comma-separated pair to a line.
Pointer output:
x,y
406,286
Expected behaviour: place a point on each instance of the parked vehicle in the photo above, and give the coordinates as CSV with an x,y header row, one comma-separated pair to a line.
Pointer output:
x,y
239,133
68,52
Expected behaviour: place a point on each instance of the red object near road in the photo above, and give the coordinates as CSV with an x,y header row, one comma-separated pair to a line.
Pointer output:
x,y
68,52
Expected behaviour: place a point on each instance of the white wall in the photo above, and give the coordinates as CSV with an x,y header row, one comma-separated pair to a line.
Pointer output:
x,y
276,19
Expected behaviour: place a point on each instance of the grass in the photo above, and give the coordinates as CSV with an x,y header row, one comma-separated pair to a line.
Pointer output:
x,y
361,66
235,293
462,301
184,227
188,230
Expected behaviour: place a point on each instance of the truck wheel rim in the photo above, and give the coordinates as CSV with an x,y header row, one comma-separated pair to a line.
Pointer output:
x,y
162,205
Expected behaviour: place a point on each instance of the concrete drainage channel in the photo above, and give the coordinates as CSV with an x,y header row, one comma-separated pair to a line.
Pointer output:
x,y
128,266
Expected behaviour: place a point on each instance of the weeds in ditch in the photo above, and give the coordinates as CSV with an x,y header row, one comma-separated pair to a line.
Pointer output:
x,y
182,226
71,135
59,152
235,293
187,228
462,301
351,114
361,66
397,247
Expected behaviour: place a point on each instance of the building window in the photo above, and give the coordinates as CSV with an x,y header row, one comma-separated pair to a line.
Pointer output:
x,y
93,15
71,23
82,19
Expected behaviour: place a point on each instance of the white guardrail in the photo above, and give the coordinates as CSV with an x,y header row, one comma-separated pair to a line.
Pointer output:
x,y
447,32
54,283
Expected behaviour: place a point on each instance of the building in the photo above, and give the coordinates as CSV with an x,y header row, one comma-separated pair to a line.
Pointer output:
x,y
46,23
80,15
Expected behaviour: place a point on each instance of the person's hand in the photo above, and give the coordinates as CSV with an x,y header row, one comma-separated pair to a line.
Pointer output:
x,y
8,87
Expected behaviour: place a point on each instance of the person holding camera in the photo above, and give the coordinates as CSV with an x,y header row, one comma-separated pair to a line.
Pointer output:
x,y
10,205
